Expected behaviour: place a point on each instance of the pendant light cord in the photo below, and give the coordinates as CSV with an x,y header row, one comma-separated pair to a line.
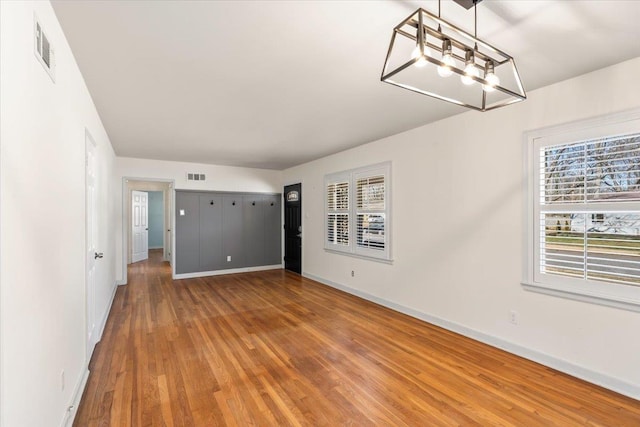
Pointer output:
x,y
475,22
475,19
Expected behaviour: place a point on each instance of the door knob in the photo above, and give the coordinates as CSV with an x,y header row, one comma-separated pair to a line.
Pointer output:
x,y
98,255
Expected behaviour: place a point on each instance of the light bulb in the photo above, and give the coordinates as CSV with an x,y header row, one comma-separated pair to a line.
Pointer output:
x,y
493,82
470,70
416,54
446,71
490,77
422,61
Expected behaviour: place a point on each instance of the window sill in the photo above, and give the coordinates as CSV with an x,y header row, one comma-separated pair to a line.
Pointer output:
x,y
354,255
586,295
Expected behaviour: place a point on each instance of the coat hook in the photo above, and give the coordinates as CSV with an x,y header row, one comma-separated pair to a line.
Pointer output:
x,y
234,203
253,203
271,203
212,202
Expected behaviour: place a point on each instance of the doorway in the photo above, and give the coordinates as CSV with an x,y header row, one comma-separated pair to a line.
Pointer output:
x,y
156,220
140,216
293,228
139,225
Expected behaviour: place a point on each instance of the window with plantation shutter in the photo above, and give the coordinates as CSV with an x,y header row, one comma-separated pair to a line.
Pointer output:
x,y
338,213
586,210
357,211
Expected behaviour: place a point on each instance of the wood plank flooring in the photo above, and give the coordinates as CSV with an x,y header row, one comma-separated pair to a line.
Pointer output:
x,y
274,349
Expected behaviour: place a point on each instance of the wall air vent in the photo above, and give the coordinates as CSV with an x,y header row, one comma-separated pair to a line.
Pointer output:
x,y
195,177
43,49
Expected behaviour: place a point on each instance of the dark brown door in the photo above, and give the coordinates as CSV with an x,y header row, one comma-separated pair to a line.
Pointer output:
x,y
293,228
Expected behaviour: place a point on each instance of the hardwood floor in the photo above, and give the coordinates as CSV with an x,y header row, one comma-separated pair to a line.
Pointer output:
x,y
274,349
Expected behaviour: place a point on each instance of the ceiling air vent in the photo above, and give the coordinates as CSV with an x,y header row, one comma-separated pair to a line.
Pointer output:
x,y
43,49
195,176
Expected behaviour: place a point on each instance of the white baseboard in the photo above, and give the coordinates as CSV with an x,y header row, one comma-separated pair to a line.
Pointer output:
x,y
121,282
105,316
72,408
227,271
586,374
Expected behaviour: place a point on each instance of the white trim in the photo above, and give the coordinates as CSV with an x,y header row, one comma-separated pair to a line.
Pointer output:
x,y
227,271
606,381
105,317
72,409
592,296
358,255
126,225
613,295
578,125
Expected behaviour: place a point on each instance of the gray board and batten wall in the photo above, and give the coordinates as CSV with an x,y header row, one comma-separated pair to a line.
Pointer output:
x,y
221,230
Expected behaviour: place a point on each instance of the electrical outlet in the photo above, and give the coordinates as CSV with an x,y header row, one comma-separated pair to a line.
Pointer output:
x,y
228,258
353,273
62,380
513,317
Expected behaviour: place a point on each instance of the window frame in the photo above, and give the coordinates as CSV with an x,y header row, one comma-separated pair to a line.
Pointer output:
x,y
588,290
352,176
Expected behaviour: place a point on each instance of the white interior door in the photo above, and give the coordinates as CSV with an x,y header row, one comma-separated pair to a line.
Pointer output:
x,y
91,240
140,226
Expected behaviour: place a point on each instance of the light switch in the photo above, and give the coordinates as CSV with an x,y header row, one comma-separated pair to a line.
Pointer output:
x,y
181,212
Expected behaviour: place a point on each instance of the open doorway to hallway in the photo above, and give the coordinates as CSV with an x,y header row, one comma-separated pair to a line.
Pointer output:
x,y
149,218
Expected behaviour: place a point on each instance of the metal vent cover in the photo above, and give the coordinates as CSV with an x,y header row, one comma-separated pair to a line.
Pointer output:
x,y
43,49
196,176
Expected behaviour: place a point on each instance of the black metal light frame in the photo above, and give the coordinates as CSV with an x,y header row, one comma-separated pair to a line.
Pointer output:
x,y
462,42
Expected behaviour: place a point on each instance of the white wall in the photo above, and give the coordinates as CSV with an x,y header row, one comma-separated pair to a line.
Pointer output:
x,y
219,178
458,219
42,217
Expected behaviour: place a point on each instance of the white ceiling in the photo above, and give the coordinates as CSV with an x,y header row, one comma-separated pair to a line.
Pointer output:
x,y
272,84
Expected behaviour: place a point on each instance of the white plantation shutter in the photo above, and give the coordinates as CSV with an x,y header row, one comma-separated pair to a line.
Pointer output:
x,y
588,209
370,212
338,212
357,211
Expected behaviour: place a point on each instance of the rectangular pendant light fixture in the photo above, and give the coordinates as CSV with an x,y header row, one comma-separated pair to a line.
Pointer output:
x,y
430,56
